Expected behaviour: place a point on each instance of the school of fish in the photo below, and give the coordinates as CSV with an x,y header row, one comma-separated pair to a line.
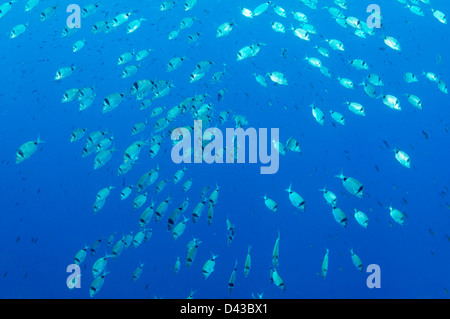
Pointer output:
x,y
143,194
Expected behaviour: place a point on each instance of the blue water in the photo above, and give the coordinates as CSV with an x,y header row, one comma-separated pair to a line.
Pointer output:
x,y
49,197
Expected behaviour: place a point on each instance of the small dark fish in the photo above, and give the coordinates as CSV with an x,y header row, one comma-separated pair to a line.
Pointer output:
x,y
230,236
95,246
220,95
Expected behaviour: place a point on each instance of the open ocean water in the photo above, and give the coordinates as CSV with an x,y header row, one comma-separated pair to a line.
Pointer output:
x,y
47,200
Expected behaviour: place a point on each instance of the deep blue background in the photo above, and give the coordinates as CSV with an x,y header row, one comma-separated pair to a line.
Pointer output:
x,y
50,196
